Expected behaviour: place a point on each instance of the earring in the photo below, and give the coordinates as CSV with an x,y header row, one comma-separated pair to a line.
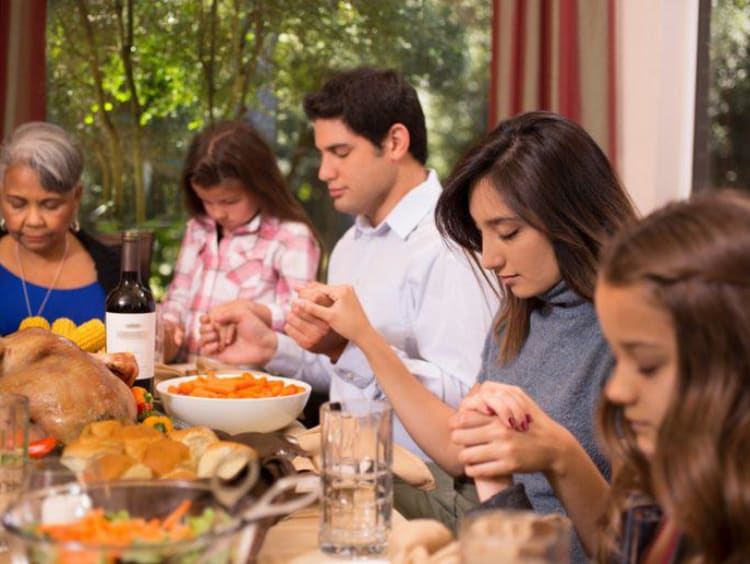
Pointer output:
x,y
75,226
2,224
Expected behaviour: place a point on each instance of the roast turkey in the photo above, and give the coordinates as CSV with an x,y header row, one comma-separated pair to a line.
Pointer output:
x,y
67,387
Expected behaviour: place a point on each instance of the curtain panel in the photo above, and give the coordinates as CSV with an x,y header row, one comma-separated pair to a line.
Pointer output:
x,y
22,62
556,55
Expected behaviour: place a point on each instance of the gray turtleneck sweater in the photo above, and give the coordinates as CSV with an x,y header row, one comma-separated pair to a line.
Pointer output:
x,y
562,366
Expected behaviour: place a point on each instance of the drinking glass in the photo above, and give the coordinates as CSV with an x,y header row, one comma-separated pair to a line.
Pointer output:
x,y
47,472
515,537
14,446
357,479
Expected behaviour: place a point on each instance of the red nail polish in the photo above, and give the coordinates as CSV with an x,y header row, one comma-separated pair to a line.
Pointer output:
x,y
512,422
528,418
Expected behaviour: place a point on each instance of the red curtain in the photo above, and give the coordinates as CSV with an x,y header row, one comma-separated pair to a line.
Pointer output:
x,y
556,55
22,62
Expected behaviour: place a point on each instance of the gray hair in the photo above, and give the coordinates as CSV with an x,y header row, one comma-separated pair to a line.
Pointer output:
x,y
47,149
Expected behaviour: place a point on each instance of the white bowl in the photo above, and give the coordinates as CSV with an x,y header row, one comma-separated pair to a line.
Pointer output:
x,y
235,415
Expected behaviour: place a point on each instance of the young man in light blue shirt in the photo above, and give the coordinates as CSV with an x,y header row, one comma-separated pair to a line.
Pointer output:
x,y
426,298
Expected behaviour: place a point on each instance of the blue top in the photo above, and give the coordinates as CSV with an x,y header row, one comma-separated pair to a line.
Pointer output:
x,y
563,366
77,304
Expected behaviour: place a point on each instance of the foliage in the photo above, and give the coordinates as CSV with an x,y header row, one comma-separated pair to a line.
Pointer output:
x,y
135,79
729,97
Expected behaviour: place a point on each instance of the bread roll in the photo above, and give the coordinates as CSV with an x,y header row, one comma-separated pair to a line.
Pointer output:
x,y
78,453
110,466
197,439
101,429
180,474
230,456
128,432
137,471
136,447
164,455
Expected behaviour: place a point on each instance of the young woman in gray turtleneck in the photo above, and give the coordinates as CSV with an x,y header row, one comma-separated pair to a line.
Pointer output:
x,y
538,199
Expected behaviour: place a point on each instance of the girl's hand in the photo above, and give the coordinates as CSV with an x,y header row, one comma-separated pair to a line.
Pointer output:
x,y
509,403
174,336
345,315
489,487
494,448
236,334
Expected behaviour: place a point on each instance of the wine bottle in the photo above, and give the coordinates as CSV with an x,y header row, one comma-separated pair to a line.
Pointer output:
x,y
130,313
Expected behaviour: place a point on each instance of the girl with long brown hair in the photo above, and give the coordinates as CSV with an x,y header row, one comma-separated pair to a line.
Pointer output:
x,y
672,300
248,237
676,414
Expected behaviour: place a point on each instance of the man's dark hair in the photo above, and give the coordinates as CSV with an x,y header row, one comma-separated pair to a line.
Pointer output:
x,y
369,101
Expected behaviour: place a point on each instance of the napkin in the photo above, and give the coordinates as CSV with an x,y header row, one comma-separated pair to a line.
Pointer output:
x,y
406,465
422,541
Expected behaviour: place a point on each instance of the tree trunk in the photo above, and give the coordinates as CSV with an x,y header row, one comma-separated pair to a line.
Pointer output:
x,y
126,52
208,60
236,106
101,158
110,131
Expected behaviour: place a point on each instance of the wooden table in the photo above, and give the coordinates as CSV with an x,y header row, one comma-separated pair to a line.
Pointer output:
x,y
294,540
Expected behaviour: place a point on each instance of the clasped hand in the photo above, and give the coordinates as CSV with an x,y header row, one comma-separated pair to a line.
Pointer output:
x,y
501,431
322,320
238,332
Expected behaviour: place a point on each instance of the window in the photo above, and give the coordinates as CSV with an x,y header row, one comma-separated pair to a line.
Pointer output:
x,y
722,153
135,84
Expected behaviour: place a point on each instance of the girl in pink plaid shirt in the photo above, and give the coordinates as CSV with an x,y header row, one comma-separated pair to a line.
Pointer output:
x,y
247,238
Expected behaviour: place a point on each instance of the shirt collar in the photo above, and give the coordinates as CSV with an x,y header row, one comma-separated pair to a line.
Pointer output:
x,y
409,211
252,226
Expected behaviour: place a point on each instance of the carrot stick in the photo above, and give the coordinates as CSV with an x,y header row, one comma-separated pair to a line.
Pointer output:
x,y
173,518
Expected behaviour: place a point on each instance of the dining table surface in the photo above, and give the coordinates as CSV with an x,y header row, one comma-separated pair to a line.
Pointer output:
x,y
292,540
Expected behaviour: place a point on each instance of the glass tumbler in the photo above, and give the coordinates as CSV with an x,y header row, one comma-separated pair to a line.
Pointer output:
x,y
14,447
357,479
514,537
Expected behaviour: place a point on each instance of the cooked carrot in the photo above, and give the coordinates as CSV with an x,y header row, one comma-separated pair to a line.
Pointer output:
x,y
243,386
173,518
96,528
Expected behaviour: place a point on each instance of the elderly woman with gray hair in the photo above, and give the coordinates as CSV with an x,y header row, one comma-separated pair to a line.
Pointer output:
x,y
48,266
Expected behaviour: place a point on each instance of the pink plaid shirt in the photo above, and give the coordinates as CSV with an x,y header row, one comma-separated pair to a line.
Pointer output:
x,y
260,261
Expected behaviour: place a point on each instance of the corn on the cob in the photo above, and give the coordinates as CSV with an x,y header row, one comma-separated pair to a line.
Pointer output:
x,y
64,327
35,321
90,336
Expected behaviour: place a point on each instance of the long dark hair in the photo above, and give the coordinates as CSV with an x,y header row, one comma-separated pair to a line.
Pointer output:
x,y
554,176
233,149
694,259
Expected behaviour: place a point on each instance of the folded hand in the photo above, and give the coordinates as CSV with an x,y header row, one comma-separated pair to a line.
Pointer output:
x,y
503,431
344,312
238,333
311,330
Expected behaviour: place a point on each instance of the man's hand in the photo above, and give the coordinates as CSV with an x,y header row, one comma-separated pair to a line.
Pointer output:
x,y
310,332
234,333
